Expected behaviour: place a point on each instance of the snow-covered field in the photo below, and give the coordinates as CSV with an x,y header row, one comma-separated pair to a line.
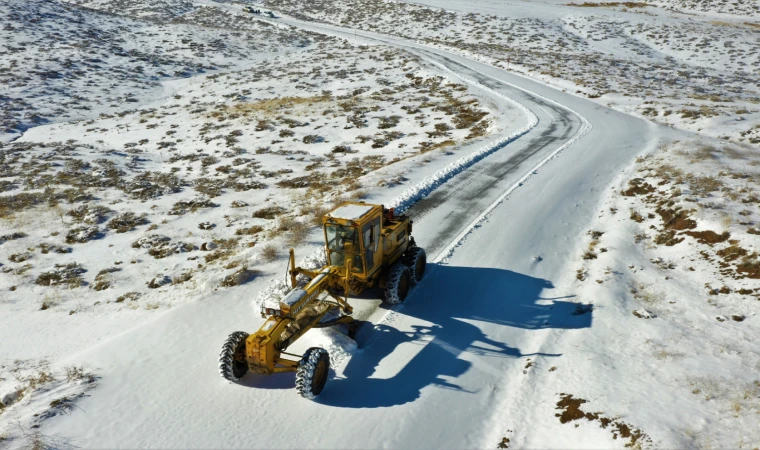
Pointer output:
x,y
588,215
670,264
695,71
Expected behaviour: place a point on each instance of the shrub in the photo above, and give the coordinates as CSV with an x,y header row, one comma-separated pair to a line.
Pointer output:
x,y
249,231
74,373
217,255
184,276
131,296
312,139
91,215
241,276
82,234
269,252
342,149
158,281
297,233
12,237
68,274
388,122
183,207
268,213
317,213
20,257
46,248
126,222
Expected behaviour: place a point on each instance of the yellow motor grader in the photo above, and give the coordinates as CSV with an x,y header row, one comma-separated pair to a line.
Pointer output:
x,y
367,246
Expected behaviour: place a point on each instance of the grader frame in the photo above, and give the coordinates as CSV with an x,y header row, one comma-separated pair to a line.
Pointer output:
x,y
366,246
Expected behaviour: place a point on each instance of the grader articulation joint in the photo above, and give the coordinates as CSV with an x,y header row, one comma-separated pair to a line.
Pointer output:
x,y
366,246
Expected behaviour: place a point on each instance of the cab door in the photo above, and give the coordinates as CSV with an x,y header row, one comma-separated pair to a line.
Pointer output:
x,y
373,253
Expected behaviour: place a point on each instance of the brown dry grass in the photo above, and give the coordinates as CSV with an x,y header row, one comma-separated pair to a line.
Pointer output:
x,y
638,186
269,213
734,24
708,236
269,252
636,217
241,276
610,4
249,230
297,233
269,106
570,408
429,146
676,219
702,186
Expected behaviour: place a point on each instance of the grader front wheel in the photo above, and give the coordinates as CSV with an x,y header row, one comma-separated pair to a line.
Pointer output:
x,y
312,372
232,363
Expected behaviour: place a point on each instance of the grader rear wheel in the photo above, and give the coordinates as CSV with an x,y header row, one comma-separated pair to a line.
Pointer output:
x,y
232,363
416,260
398,284
312,372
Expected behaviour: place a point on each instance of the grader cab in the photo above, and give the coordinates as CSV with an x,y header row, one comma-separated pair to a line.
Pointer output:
x,y
366,246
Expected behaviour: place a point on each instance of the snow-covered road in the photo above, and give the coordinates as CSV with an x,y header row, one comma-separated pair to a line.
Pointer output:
x,y
448,369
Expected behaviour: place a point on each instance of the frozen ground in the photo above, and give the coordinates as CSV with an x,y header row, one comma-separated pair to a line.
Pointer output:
x,y
559,309
670,264
61,63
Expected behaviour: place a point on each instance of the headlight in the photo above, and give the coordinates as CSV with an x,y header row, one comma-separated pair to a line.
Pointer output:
x,y
270,312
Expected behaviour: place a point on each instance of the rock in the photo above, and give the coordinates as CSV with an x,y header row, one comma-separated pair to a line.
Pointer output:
x,y
738,317
208,246
158,281
644,314
11,397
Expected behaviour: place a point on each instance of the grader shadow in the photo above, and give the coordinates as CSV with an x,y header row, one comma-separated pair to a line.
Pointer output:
x,y
450,299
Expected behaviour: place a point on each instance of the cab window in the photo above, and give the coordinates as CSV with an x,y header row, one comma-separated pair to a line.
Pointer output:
x,y
337,238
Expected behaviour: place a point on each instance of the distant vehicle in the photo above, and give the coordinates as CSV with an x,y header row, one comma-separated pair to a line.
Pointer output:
x,y
271,14
248,9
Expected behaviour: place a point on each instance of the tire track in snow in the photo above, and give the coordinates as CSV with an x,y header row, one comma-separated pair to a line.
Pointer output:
x,y
446,253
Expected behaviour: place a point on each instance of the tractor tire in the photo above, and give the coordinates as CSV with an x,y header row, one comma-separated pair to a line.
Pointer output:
x,y
230,367
416,260
311,375
398,284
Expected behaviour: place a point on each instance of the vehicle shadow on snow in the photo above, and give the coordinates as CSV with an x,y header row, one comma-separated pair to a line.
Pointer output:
x,y
450,299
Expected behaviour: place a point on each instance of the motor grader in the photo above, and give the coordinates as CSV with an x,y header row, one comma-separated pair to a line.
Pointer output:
x,y
366,246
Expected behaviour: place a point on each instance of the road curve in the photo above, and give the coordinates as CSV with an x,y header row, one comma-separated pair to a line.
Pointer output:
x,y
452,207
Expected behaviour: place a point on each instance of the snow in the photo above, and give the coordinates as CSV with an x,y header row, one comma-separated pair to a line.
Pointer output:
x,y
351,212
653,61
545,280
294,297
